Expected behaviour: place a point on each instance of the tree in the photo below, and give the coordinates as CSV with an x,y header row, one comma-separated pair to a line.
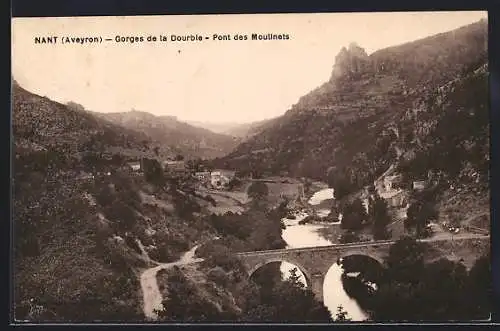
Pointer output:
x,y
354,216
122,214
258,191
437,294
179,157
153,172
105,196
184,302
307,186
341,185
195,165
395,301
349,237
480,288
442,291
405,261
117,160
291,301
341,315
92,162
380,217
419,215
234,182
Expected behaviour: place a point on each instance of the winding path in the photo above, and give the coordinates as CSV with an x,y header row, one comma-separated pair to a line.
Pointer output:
x,y
152,298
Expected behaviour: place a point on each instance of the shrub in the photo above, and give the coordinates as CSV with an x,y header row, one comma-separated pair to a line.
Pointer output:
x,y
349,237
258,191
218,276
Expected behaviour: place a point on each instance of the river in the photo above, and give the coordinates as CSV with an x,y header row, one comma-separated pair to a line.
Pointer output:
x,y
306,235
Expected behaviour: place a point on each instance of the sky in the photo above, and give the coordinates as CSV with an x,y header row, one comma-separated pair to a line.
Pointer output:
x,y
231,81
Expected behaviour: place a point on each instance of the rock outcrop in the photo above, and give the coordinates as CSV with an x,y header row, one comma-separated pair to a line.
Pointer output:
x,y
351,62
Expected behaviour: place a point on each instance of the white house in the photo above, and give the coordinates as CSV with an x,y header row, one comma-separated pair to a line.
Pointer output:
x,y
136,166
216,179
419,185
220,178
395,198
390,181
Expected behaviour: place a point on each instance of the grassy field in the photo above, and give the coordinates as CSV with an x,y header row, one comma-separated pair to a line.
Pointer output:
x,y
463,207
466,250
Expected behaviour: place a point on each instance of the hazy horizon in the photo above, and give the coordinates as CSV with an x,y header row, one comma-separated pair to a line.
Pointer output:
x,y
212,82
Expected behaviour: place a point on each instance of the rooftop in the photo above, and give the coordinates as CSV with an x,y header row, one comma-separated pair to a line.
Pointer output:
x,y
390,194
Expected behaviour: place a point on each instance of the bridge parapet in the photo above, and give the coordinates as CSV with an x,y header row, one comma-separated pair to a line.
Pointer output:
x,y
314,262
318,248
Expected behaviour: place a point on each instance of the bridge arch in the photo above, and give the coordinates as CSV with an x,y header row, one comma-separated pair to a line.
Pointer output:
x,y
299,266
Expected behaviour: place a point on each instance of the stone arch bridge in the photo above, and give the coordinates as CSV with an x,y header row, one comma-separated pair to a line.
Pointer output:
x,y
314,262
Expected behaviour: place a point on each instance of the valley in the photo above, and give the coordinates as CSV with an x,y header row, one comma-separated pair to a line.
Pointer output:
x,y
382,171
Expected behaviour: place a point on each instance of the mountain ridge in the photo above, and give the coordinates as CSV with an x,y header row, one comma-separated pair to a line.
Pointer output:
x,y
188,140
40,123
368,94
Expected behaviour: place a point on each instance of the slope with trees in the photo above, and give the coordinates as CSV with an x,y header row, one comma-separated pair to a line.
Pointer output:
x,y
40,124
82,226
401,98
187,139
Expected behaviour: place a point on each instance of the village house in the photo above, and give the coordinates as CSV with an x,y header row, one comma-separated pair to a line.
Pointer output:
x,y
419,185
202,176
136,166
216,178
395,198
390,182
388,188
176,167
387,181
220,178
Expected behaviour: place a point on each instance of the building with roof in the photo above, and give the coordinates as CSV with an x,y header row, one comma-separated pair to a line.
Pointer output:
x,y
175,167
203,176
395,198
419,185
220,178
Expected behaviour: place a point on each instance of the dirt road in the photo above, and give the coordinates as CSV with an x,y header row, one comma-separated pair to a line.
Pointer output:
x,y
152,298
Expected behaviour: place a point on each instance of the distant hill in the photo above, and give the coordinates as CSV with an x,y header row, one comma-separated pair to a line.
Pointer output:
x,y
378,108
213,126
240,130
42,124
247,130
189,140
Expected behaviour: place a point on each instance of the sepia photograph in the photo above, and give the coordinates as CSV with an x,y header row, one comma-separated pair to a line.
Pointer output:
x,y
314,168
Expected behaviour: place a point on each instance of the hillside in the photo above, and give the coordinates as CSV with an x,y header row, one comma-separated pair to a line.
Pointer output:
x,y
40,124
82,240
239,130
373,109
248,130
216,127
188,140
